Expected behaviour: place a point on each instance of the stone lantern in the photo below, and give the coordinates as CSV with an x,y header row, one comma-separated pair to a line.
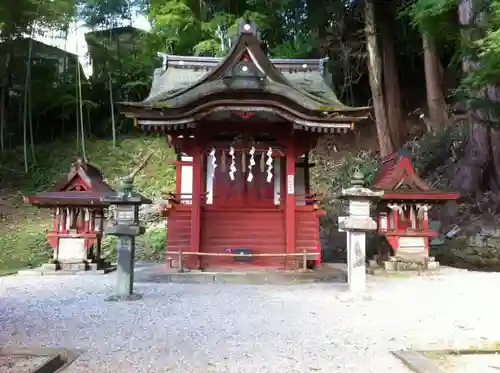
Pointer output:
x,y
125,226
357,223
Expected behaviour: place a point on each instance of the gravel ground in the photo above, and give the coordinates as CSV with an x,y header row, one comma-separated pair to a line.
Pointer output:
x,y
194,328
21,364
471,364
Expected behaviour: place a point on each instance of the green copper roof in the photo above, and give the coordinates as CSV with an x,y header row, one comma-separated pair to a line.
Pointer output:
x,y
309,83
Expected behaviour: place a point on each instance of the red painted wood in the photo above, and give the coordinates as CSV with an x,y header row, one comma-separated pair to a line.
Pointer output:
x,y
290,201
179,232
240,192
178,169
196,202
307,232
258,230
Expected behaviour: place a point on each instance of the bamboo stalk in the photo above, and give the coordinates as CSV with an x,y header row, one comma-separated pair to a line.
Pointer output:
x,y
141,165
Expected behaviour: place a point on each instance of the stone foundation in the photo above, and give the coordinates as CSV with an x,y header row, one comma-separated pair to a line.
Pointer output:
x,y
69,269
396,265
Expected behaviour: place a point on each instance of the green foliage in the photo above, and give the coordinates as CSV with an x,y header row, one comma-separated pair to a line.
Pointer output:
x,y
150,246
21,248
189,27
432,15
477,44
55,160
487,51
332,174
437,148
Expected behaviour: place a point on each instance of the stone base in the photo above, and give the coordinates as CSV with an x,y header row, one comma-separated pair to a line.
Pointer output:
x,y
124,298
394,266
68,269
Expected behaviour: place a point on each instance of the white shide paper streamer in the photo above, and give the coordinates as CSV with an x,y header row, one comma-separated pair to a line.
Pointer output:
x,y
232,167
214,162
269,163
251,163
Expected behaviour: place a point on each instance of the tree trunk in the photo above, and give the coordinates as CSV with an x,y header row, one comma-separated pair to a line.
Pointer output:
x,y
2,120
27,83
479,170
4,101
392,87
433,83
30,121
375,74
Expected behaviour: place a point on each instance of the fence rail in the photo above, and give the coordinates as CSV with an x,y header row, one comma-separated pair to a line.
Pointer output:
x,y
305,256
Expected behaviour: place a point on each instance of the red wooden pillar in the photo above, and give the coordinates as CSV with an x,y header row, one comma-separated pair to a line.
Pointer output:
x,y
196,208
307,180
290,205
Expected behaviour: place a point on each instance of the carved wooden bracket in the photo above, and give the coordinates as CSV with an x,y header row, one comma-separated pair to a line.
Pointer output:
x,y
245,114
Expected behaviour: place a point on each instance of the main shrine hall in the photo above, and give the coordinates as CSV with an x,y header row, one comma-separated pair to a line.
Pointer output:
x,y
242,127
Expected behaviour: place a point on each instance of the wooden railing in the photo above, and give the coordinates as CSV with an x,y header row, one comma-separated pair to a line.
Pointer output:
x,y
187,199
305,256
309,198
173,199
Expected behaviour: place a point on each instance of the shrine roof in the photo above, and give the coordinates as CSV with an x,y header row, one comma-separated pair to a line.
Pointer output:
x,y
67,198
89,174
305,76
192,86
399,181
83,186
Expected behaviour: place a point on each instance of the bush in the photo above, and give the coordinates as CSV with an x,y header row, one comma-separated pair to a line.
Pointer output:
x,y
21,249
150,246
436,151
153,243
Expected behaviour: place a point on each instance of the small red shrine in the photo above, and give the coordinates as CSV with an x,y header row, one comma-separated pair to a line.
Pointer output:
x,y
243,127
403,210
78,214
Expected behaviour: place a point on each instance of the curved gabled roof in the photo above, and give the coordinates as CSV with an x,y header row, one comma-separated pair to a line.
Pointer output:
x,y
245,71
399,181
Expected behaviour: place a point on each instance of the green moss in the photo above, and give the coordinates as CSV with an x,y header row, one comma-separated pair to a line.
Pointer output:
x,y
432,355
160,105
494,345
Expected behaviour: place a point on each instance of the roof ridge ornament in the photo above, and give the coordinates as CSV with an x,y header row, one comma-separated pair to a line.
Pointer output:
x,y
250,28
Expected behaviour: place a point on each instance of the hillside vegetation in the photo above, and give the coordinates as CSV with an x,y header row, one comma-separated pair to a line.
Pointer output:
x,y
22,240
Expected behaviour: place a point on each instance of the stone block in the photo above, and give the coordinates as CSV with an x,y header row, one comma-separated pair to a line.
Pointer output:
x,y
71,249
74,266
493,242
30,272
389,266
490,231
49,267
477,240
432,266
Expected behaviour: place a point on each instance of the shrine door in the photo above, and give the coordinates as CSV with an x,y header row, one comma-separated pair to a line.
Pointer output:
x,y
241,192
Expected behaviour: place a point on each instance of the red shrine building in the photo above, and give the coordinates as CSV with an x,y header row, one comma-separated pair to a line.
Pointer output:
x,y
77,215
243,127
403,210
